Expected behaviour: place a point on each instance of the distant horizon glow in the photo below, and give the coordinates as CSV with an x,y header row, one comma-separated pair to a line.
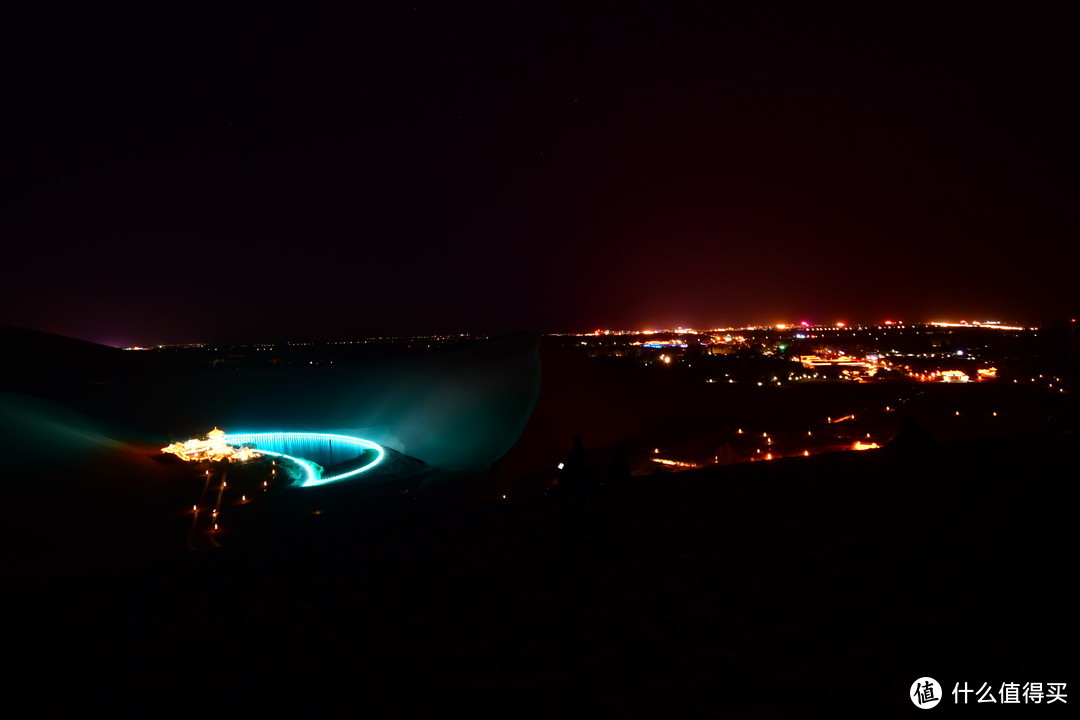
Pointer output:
x,y
784,327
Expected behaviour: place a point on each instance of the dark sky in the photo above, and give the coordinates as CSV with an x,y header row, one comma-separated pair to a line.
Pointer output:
x,y
178,175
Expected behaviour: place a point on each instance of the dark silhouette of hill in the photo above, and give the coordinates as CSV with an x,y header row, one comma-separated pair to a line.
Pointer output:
x,y
825,584
576,397
62,367
34,354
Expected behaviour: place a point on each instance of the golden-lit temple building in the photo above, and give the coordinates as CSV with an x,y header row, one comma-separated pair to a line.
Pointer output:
x,y
213,449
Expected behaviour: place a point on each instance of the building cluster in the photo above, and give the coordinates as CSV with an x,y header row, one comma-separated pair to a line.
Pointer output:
x,y
212,448
929,352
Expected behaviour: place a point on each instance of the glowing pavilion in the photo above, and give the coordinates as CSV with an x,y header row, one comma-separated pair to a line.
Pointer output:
x,y
214,448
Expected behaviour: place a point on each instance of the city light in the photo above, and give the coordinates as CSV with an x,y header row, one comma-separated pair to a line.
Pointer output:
x,y
676,463
988,324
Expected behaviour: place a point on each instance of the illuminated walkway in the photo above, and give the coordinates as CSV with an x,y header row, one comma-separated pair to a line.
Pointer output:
x,y
312,474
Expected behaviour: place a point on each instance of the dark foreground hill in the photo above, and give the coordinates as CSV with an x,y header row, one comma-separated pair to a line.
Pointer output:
x,y
824,585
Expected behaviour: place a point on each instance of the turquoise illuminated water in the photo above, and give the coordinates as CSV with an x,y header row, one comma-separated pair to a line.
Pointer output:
x,y
349,456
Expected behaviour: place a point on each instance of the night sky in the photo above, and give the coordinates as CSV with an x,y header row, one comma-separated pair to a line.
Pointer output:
x,y
175,175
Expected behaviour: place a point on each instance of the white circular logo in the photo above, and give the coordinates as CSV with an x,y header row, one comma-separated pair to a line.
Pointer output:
x,y
925,693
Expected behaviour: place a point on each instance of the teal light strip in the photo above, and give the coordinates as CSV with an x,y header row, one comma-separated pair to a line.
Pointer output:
x,y
312,475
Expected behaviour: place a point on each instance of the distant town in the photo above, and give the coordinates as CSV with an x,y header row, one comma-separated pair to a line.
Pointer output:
x,y
945,352
760,393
